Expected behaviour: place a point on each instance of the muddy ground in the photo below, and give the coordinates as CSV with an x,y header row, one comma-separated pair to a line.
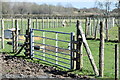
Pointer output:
x,y
21,68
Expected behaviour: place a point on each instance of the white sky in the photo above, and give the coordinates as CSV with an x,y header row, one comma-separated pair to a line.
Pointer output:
x,y
74,3
54,0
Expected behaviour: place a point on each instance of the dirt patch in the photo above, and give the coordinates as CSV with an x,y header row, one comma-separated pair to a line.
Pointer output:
x,y
35,38
21,68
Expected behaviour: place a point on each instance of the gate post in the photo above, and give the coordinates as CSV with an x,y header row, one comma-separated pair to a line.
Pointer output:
x,y
71,49
79,60
31,43
101,51
27,41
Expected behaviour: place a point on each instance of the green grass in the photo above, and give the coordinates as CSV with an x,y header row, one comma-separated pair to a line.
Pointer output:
x,y
94,46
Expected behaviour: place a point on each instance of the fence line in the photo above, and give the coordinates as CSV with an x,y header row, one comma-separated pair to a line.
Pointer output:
x,y
56,38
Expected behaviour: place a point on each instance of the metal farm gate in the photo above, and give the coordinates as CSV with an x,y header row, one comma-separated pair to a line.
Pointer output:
x,y
52,47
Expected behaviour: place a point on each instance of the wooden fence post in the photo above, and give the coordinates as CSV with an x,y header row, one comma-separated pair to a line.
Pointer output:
x,y
12,22
42,22
16,35
57,22
27,41
79,59
116,62
89,53
106,22
13,41
70,22
101,51
93,27
2,34
48,22
119,46
22,29
89,27
33,25
95,36
36,23
113,21
86,27
29,25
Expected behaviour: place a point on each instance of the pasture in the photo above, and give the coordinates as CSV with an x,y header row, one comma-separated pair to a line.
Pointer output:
x,y
56,25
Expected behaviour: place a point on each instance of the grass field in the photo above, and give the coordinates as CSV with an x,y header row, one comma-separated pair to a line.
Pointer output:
x,y
94,46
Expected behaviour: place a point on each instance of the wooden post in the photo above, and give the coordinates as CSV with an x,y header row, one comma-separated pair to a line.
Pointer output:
x,y
22,29
27,51
29,25
27,41
93,27
57,22
16,35
86,27
39,25
95,36
106,21
33,25
53,23
79,48
48,22
89,27
2,34
42,22
101,51
119,46
13,41
12,22
113,22
36,23
70,22
89,53
116,62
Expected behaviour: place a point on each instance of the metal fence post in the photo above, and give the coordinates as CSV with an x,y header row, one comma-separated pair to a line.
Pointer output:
x,y
71,50
44,46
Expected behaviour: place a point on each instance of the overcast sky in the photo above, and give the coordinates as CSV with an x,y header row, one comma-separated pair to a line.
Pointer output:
x,y
74,3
